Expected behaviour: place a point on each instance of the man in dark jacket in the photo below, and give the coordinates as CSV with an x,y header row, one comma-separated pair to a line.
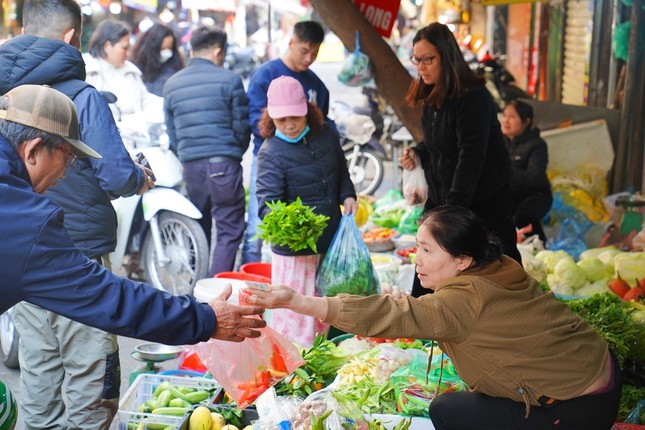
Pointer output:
x,y
207,117
53,346
39,139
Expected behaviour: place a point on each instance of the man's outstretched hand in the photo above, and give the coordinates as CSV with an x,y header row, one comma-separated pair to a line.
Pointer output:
x,y
234,322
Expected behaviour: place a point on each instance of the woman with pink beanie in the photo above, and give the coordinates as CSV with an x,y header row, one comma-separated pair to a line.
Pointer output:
x,y
301,157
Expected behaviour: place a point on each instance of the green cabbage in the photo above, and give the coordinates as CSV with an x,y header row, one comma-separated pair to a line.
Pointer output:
x,y
593,252
566,272
594,269
630,266
551,258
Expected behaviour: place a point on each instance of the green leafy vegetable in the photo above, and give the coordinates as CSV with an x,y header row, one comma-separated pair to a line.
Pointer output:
x,y
294,225
612,318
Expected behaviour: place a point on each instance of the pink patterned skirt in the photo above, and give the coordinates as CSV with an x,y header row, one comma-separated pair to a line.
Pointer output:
x,y
299,273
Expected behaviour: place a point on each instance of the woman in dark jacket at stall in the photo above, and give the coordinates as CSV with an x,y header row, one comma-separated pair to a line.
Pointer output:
x,y
301,157
462,153
530,188
157,55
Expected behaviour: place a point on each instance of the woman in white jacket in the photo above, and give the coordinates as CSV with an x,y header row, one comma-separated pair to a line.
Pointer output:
x,y
108,70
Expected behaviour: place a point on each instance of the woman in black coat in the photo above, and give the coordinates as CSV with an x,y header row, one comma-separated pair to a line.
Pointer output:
x,y
530,188
462,153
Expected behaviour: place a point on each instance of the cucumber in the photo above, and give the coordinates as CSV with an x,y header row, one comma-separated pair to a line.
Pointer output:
x,y
173,411
197,396
161,388
163,399
178,403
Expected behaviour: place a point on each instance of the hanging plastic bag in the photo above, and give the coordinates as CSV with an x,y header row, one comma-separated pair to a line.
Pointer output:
x,y
356,69
249,368
415,186
347,267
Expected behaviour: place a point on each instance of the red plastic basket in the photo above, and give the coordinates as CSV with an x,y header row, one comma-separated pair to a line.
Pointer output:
x,y
243,277
260,269
625,426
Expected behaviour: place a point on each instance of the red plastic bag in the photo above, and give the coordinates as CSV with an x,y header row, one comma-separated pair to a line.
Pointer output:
x,y
249,368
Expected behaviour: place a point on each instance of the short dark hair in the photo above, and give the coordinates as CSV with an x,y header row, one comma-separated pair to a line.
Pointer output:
x,y
309,32
109,30
524,111
16,134
459,232
456,76
206,37
51,18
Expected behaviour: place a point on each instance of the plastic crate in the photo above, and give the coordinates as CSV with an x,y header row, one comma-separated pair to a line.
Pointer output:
x,y
143,388
123,418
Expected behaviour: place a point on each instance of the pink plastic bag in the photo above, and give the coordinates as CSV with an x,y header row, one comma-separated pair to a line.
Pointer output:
x,y
249,368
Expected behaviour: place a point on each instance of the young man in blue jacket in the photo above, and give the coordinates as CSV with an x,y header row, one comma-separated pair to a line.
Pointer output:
x,y
207,119
39,139
55,348
303,51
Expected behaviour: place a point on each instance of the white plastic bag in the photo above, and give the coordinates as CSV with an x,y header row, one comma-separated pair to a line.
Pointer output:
x,y
415,186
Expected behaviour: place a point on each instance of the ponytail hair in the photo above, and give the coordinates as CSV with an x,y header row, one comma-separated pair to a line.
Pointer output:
x,y
459,232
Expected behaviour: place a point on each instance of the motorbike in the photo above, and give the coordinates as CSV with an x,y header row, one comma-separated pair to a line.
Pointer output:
x,y
369,136
9,339
158,230
499,81
240,60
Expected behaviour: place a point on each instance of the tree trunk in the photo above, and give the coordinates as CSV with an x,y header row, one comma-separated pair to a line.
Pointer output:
x,y
391,78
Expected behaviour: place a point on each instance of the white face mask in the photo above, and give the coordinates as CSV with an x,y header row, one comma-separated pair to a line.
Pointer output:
x,y
165,54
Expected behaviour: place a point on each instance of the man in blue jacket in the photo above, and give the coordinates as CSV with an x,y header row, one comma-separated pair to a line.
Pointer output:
x,y
207,117
303,51
39,139
55,348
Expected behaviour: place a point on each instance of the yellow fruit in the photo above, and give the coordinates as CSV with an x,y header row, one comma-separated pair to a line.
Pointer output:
x,y
230,427
249,427
200,419
217,421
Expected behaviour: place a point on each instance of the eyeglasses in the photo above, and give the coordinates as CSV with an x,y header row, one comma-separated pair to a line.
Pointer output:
x,y
426,60
71,158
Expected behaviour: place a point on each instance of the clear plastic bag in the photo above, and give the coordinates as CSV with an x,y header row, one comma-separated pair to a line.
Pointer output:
x,y
415,186
356,69
347,267
249,368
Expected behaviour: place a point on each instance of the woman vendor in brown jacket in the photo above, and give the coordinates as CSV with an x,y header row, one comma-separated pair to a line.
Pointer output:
x,y
530,362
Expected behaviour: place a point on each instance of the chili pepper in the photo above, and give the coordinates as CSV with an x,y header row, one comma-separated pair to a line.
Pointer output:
x,y
277,361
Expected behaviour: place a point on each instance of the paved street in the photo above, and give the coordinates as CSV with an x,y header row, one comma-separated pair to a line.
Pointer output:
x,y
338,91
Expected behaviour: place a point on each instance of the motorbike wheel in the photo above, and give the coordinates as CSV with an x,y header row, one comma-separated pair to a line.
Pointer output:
x,y
365,170
9,339
185,244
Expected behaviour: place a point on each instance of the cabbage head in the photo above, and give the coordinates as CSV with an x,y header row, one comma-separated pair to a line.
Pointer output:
x,y
551,258
566,272
594,269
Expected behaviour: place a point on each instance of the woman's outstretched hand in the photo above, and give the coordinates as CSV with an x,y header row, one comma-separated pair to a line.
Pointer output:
x,y
284,297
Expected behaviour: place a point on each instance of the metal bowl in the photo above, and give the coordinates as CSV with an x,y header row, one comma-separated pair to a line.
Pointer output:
x,y
158,351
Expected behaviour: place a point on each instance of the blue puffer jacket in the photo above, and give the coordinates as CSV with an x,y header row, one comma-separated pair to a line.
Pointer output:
x,y
207,112
85,192
313,169
41,265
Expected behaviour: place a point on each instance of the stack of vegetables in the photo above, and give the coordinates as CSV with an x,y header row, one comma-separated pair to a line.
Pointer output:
x,y
366,377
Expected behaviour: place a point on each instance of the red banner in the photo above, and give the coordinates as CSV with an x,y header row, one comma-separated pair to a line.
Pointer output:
x,y
380,13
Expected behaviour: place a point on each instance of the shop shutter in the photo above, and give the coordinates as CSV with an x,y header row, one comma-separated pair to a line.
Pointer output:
x,y
577,51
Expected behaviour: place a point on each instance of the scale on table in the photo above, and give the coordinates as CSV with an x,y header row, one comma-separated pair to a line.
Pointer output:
x,y
151,354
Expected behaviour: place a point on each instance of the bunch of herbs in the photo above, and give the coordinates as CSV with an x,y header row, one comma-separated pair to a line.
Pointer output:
x,y
294,225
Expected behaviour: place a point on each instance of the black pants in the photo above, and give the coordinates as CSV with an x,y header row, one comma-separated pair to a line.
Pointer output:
x,y
475,411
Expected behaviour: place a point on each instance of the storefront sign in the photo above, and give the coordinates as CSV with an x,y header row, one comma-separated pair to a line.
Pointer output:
x,y
380,13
